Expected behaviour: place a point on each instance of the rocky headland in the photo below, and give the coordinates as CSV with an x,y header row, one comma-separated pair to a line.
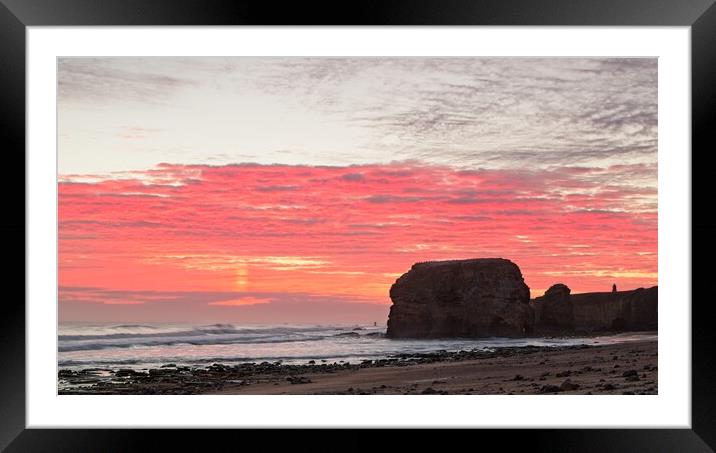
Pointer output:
x,y
558,311
488,297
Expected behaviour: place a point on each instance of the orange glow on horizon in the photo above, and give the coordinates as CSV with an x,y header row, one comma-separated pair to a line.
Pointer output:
x,y
242,301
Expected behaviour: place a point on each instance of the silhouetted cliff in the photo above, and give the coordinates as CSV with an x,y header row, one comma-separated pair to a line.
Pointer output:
x,y
621,310
461,298
488,297
593,312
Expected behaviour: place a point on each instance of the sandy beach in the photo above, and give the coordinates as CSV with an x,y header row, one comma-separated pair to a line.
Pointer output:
x,y
628,368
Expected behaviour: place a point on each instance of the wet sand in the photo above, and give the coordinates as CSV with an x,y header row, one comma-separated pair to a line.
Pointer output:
x,y
628,368
597,370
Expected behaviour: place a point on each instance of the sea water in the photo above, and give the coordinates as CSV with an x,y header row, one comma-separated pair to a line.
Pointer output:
x,y
140,346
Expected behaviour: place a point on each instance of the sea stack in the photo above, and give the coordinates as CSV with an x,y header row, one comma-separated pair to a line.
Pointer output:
x,y
461,298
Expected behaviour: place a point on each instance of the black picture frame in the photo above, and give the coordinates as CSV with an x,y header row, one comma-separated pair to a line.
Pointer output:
x,y
700,15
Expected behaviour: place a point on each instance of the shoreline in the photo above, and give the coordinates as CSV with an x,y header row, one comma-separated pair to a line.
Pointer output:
x,y
624,368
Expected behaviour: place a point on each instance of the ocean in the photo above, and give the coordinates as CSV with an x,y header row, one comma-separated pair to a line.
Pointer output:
x,y
143,346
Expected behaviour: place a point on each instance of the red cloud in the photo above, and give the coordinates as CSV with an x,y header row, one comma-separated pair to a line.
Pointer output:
x,y
350,231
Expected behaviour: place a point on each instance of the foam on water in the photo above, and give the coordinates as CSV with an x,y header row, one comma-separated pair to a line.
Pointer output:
x,y
151,345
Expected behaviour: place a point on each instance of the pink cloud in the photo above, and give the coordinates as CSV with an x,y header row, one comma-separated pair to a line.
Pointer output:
x,y
351,231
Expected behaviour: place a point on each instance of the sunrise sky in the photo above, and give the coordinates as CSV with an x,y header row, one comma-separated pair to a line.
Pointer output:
x,y
298,189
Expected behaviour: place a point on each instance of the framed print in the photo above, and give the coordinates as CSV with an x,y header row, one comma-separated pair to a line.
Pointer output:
x,y
382,219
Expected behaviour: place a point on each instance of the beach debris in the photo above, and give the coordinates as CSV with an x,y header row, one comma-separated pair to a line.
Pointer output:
x,y
429,391
550,388
298,380
568,385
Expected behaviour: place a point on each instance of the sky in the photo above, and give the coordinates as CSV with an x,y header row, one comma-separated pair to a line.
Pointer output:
x,y
279,190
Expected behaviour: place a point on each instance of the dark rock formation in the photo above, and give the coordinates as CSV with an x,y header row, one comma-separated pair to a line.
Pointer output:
x,y
616,311
488,297
553,311
558,311
462,298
